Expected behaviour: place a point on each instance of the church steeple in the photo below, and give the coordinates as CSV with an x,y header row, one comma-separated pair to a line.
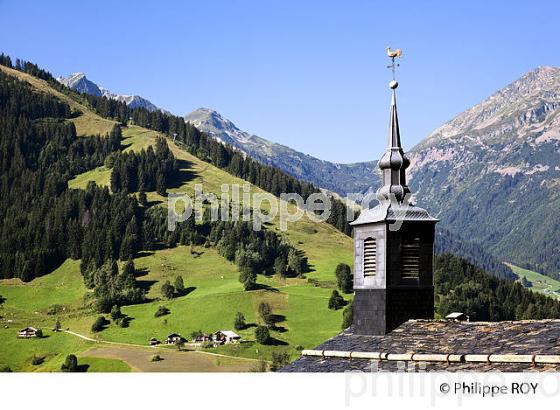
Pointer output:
x,y
393,245
393,163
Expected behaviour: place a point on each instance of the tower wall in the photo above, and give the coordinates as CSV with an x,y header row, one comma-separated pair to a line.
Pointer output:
x,y
383,302
379,311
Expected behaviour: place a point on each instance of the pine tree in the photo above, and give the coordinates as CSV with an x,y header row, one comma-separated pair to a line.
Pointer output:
x,y
280,266
239,322
344,278
262,335
99,324
295,262
70,364
179,285
143,199
116,313
348,316
265,313
336,301
167,290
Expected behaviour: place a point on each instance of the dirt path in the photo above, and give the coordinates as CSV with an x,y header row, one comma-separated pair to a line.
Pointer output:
x,y
138,357
140,360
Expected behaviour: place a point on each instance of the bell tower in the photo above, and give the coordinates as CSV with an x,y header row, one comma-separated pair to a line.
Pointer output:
x,y
393,246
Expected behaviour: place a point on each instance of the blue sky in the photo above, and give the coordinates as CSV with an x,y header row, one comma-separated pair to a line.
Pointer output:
x,y
310,75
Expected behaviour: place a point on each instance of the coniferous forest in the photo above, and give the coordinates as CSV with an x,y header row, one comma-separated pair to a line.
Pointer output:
x,y
148,170
44,222
462,287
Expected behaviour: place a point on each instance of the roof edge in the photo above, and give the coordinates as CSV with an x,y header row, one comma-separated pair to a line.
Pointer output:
x,y
438,357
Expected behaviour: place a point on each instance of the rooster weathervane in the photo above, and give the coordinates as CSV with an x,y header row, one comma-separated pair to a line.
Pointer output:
x,y
392,55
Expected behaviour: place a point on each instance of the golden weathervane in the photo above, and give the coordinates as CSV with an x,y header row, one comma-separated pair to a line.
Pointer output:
x,y
392,55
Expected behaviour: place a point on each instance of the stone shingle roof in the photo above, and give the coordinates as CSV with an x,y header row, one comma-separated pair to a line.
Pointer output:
x,y
443,337
387,211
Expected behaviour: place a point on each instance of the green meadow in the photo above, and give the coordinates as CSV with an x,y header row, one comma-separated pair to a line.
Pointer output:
x,y
540,283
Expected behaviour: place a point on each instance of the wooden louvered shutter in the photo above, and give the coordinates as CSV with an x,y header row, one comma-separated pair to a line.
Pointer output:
x,y
411,258
370,257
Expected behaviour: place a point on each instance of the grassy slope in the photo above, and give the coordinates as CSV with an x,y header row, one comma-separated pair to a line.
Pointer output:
x,y
17,353
217,295
541,283
88,123
324,245
63,287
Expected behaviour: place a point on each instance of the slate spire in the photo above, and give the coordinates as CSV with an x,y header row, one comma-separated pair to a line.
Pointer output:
x,y
393,163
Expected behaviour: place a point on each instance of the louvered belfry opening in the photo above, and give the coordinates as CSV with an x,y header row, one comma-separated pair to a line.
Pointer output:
x,y
410,255
370,257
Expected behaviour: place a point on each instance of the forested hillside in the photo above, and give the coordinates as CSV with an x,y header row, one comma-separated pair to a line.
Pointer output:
x,y
475,172
446,242
462,287
40,153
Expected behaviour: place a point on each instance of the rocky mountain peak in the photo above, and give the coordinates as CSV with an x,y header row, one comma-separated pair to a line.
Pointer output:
x,y
80,83
524,102
212,121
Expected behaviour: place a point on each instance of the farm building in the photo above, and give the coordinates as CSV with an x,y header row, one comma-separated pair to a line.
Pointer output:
x,y
201,338
27,332
175,338
226,336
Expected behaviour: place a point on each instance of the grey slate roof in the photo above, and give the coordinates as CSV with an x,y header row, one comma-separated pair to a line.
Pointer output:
x,y
532,337
386,211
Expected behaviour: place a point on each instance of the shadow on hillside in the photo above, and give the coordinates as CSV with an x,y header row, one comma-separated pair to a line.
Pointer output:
x,y
186,174
276,342
260,286
146,285
125,146
151,203
126,321
187,291
277,318
279,329
141,272
310,268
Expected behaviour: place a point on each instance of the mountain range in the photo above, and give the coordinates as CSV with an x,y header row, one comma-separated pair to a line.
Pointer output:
x,y
80,83
339,178
491,174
